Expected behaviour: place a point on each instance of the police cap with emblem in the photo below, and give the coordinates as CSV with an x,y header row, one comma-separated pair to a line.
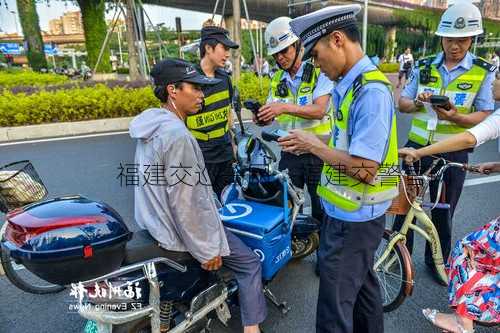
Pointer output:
x,y
176,70
219,34
311,27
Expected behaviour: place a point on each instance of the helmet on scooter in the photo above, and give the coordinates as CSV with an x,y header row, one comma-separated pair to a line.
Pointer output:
x,y
254,174
463,19
279,35
253,154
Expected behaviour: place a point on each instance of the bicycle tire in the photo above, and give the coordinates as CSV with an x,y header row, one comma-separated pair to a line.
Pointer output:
x,y
18,281
399,252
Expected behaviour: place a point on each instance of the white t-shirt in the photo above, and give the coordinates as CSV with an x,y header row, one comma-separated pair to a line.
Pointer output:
x,y
404,58
488,129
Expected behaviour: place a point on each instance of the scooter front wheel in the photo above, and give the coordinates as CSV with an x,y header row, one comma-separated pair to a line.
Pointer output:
x,y
302,247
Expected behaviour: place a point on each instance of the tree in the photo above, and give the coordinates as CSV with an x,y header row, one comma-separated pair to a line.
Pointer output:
x,y
94,26
32,35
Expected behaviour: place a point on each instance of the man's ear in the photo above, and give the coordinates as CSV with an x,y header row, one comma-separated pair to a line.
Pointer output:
x,y
337,38
207,47
171,89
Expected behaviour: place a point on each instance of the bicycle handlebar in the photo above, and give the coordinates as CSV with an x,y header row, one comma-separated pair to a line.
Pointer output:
x,y
427,176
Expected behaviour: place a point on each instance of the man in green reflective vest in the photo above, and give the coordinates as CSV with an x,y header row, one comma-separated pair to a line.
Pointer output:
x,y
359,178
467,81
299,98
211,125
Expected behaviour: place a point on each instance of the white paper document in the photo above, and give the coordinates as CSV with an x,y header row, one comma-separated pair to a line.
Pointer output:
x,y
433,117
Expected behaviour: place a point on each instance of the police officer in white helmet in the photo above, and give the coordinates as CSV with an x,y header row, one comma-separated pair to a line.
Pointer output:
x,y
299,98
466,80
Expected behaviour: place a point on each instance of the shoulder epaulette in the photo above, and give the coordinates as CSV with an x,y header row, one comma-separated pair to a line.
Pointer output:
x,y
358,83
484,64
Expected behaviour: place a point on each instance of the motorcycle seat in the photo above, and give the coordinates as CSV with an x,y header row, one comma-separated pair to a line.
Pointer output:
x,y
143,246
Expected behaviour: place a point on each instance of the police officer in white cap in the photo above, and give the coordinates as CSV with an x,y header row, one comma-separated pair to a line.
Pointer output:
x,y
299,98
467,81
356,186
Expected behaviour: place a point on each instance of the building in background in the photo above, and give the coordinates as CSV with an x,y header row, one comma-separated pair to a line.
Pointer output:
x,y
56,27
72,23
68,24
491,8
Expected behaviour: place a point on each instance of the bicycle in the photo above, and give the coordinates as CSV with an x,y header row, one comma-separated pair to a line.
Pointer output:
x,y
393,263
20,185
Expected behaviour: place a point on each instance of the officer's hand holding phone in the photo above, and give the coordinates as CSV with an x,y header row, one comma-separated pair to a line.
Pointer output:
x,y
444,107
424,97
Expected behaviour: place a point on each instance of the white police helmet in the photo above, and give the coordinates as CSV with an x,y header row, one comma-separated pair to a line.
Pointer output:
x,y
463,19
278,35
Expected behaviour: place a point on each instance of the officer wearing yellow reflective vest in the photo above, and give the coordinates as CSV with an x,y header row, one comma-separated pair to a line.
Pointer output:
x,y
467,81
359,180
299,98
211,125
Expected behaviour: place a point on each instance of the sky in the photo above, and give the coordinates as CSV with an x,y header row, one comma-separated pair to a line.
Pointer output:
x,y
190,20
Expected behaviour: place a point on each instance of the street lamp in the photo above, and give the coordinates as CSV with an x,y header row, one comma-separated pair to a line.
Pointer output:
x,y
15,20
365,26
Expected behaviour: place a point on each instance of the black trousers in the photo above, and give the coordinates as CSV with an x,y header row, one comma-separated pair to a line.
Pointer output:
x,y
349,298
305,170
221,174
442,218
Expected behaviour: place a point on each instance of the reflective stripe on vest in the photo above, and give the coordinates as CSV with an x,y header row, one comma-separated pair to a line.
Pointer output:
x,y
210,135
346,192
211,124
304,96
462,91
206,119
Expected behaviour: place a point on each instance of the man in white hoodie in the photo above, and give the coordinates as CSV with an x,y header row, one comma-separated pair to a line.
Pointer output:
x,y
176,203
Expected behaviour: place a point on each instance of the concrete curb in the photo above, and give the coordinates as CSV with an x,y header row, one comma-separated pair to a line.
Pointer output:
x,y
68,129
22,133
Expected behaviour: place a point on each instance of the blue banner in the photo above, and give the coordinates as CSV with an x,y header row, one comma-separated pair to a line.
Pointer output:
x,y
10,48
50,49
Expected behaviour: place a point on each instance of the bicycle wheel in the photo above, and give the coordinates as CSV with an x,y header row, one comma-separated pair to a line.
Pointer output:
x,y
23,279
395,273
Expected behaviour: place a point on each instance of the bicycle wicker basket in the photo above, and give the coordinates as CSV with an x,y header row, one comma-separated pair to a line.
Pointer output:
x,y
20,185
400,204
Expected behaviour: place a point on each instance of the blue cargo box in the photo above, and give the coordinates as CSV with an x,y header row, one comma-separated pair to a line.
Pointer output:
x,y
263,229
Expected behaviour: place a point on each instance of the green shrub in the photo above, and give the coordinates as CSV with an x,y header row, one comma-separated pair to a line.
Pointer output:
x,y
76,103
389,67
249,87
122,70
98,102
13,78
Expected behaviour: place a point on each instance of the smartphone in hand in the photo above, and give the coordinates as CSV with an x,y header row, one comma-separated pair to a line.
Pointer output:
x,y
441,101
